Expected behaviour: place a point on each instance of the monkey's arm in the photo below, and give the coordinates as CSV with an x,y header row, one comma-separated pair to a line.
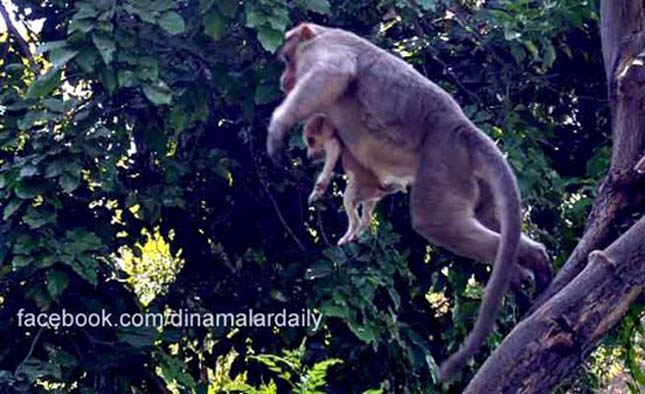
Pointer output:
x,y
332,153
318,88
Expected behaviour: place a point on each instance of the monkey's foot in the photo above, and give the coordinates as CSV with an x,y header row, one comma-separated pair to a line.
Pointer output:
x,y
538,261
520,277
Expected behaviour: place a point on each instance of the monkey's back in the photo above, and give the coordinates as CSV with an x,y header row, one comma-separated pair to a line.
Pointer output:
x,y
399,100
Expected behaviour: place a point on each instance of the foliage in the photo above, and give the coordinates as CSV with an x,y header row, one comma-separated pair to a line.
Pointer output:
x,y
152,115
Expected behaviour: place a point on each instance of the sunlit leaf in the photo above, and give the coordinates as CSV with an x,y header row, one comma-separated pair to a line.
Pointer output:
x,y
159,93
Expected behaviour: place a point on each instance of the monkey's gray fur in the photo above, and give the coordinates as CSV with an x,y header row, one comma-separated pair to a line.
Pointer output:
x,y
406,129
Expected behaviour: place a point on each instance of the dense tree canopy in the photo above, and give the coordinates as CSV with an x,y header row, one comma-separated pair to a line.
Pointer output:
x,y
133,177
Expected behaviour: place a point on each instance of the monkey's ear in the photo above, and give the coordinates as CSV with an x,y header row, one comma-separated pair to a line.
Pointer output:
x,y
306,32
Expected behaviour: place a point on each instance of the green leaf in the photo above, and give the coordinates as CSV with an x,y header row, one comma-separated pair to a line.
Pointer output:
x,y
21,261
138,337
57,282
549,56
28,170
108,79
323,7
82,26
54,105
68,182
15,67
342,312
86,59
428,5
27,191
265,94
172,22
79,241
158,93
530,46
205,5
44,84
214,25
366,333
155,138
126,78
318,270
86,268
11,208
178,120
86,10
270,38
279,21
255,18
60,57
148,68
105,47
229,7
55,168
37,217
145,15
48,46
24,245
157,5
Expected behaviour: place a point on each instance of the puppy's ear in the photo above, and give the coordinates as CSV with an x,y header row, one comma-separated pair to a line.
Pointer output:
x,y
314,125
327,127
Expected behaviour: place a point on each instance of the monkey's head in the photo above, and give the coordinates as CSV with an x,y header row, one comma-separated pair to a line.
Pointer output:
x,y
289,52
316,132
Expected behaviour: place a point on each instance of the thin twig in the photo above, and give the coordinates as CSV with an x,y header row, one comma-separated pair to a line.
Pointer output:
x,y
33,344
322,228
265,186
21,41
420,32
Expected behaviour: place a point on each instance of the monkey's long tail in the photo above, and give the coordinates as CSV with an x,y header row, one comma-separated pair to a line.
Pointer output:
x,y
496,172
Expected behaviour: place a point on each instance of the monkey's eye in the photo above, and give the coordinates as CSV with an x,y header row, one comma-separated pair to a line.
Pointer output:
x,y
310,141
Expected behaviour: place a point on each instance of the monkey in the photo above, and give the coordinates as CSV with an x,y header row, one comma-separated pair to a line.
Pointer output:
x,y
402,127
363,188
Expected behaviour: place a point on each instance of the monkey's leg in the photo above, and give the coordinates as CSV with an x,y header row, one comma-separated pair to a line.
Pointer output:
x,y
442,206
531,254
350,202
366,215
332,153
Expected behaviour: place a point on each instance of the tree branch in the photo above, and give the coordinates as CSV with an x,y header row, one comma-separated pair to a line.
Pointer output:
x,y
19,39
546,347
623,40
595,288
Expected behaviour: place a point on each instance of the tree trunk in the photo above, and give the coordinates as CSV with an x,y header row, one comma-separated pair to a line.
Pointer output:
x,y
594,289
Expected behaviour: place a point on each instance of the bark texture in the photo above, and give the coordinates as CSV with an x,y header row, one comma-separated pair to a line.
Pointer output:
x,y
605,273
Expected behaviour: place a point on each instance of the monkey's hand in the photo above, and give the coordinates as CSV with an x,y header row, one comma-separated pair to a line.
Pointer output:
x,y
275,138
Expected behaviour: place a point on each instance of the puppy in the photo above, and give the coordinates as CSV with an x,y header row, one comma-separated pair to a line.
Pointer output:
x,y
363,187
